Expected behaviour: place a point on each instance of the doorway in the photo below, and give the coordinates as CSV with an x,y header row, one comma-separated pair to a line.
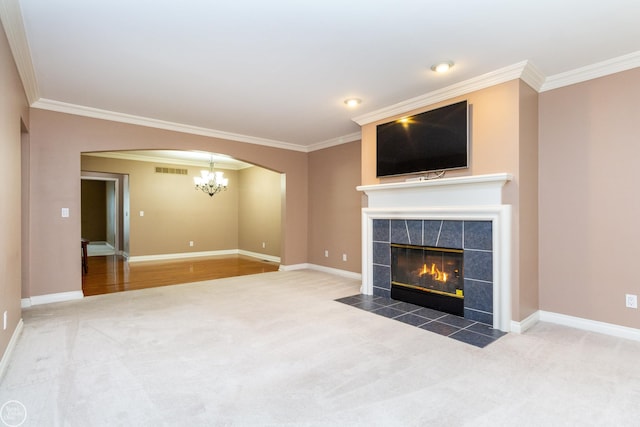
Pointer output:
x,y
103,213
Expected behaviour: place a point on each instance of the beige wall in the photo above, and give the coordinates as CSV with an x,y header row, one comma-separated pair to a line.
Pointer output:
x,y
174,212
334,207
259,211
589,204
572,152
527,245
246,214
503,138
494,133
13,112
56,143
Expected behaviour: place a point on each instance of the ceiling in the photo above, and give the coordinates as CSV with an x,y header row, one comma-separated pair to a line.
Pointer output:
x,y
277,72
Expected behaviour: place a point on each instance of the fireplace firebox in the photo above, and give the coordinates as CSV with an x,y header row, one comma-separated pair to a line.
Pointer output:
x,y
428,276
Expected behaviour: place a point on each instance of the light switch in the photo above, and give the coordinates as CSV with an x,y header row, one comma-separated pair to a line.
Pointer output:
x,y
141,213
65,212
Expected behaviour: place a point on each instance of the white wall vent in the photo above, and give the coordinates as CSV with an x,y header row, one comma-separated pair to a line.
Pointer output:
x,y
174,171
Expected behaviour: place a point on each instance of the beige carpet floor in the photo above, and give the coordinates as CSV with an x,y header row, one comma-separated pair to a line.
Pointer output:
x,y
274,349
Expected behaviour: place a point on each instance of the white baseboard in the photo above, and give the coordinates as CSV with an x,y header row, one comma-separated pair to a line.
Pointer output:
x,y
164,257
259,256
576,322
183,255
49,298
334,271
524,325
293,267
591,325
4,362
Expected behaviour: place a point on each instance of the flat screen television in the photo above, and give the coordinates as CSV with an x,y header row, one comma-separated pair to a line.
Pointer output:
x,y
435,140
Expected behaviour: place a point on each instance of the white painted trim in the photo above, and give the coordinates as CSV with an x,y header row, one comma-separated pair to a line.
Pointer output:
x,y
260,256
473,198
13,23
25,303
356,136
484,81
11,17
499,179
184,255
58,297
96,113
6,357
150,157
524,70
590,325
500,216
526,324
335,271
532,76
321,268
469,191
163,257
293,267
593,71
576,322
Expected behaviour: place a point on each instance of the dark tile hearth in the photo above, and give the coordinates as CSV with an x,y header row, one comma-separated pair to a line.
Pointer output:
x,y
468,331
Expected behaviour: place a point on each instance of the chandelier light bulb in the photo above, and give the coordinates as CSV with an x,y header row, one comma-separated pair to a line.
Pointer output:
x,y
211,182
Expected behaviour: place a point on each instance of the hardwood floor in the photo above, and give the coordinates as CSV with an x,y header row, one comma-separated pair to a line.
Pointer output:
x,y
108,274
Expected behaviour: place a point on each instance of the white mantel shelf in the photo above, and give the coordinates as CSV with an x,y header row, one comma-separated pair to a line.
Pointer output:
x,y
498,178
463,190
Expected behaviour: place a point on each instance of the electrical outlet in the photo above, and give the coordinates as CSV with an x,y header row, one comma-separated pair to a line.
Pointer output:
x,y
326,253
264,245
344,257
191,243
632,300
4,321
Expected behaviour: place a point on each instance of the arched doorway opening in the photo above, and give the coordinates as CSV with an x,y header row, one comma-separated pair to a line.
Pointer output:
x,y
169,220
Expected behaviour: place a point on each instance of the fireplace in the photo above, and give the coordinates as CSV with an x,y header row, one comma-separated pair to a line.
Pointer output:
x,y
464,213
462,249
429,277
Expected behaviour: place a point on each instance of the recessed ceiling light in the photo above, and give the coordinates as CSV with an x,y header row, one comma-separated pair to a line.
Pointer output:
x,y
442,67
352,102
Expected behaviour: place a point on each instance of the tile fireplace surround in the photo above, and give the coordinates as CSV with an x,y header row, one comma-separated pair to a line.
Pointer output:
x,y
464,200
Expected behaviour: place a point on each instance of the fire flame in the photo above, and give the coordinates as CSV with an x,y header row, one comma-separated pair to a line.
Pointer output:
x,y
434,272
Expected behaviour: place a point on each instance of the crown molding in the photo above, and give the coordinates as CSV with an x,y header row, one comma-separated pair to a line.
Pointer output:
x,y
493,78
593,71
96,113
532,76
13,24
356,136
151,158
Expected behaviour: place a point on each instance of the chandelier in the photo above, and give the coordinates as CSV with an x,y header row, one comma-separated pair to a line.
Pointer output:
x,y
211,182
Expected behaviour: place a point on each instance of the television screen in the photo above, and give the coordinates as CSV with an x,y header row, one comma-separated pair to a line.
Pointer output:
x,y
435,140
